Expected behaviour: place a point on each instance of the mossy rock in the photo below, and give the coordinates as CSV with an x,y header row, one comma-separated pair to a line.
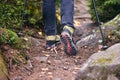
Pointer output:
x,y
3,69
112,29
9,37
113,22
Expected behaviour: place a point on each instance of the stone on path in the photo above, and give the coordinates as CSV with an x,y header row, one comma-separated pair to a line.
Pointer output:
x,y
104,65
57,79
32,41
41,59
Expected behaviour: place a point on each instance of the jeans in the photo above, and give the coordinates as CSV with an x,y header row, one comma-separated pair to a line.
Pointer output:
x,y
49,11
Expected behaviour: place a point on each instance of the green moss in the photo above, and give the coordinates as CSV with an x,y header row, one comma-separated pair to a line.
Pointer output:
x,y
107,9
113,21
113,29
10,37
104,60
7,36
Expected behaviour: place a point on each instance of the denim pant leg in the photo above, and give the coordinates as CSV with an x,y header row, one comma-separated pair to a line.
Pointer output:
x,y
67,12
48,9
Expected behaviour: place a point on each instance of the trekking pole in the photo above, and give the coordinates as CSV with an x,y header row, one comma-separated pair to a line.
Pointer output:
x,y
99,25
23,15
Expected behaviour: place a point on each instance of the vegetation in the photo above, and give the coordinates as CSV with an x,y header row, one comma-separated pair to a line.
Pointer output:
x,y
103,60
11,17
10,21
114,32
11,12
107,9
9,37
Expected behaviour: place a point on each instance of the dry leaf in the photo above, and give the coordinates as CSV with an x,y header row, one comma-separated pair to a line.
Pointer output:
x,y
44,69
50,73
40,33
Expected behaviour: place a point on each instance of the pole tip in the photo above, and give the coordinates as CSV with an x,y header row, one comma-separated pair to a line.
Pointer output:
x,y
104,47
20,34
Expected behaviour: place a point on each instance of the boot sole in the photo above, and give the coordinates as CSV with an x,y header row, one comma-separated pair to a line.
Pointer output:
x,y
69,46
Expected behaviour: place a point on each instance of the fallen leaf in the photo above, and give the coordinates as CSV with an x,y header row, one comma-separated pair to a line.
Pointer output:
x,y
50,73
40,33
44,69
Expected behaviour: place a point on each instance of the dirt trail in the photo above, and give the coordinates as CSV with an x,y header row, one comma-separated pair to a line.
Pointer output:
x,y
52,65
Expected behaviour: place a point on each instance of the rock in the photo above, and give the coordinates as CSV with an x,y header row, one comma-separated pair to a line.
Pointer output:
x,y
18,78
88,34
32,41
3,70
91,40
112,77
78,31
41,59
104,65
112,29
57,79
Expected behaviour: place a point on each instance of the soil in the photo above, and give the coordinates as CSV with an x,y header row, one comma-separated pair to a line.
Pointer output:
x,y
55,64
51,65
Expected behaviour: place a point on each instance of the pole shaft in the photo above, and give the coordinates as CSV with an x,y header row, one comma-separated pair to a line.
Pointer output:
x,y
99,24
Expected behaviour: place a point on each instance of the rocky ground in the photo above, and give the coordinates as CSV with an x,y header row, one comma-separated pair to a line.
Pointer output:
x,y
54,64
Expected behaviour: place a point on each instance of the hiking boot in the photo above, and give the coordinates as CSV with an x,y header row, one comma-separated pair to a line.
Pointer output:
x,y
52,41
51,44
69,46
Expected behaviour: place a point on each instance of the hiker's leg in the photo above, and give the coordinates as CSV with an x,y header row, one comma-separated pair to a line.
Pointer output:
x,y
67,12
48,10
50,22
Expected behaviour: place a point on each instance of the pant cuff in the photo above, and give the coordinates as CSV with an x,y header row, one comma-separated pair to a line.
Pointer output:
x,y
69,28
52,38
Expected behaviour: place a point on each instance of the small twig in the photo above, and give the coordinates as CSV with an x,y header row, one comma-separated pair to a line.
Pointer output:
x,y
29,66
10,65
55,50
